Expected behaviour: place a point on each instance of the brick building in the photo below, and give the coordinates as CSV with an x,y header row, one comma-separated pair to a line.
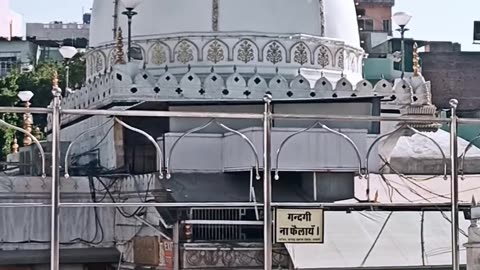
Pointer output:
x,y
374,21
453,73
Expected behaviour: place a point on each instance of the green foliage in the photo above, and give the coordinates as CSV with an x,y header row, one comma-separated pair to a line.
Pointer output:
x,y
39,81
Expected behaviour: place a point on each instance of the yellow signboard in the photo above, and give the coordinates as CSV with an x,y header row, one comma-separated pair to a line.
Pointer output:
x,y
299,226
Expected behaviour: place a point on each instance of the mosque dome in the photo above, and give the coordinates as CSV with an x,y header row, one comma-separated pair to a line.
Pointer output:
x,y
224,49
323,18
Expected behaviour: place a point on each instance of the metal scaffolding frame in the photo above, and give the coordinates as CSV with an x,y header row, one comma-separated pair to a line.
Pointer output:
x,y
55,111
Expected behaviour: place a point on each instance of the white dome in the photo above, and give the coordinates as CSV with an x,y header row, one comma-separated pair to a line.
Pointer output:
x,y
341,21
336,19
316,38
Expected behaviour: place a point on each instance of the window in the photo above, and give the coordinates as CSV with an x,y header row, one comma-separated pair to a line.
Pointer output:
x,y
231,232
46,26
7,64
360,12
136,53
361,25
365,24
387,26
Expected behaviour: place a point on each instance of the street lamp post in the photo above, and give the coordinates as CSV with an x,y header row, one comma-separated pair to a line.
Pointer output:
x,y
130,12
402,19
26,96
68,52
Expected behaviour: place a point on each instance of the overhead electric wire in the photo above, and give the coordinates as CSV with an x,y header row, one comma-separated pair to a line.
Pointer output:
x,y
376,239
416,193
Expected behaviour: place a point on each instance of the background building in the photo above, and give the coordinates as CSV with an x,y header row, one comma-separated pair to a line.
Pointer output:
x,y
17,55
50,36
11,23
58,31
374,21
376,38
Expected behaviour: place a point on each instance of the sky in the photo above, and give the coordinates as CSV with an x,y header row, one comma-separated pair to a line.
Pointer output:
x,y
436,20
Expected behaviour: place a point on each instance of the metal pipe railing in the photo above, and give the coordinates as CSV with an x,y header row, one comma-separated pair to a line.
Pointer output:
x,y
32,110
167,114
165,205
267,117
454,187
337,207
164,114
153,114
55,200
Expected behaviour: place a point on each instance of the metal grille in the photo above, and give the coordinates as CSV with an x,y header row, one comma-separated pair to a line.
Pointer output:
x,y
218,232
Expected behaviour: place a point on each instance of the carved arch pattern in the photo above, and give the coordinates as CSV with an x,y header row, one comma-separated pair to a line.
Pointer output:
x,y
186,51
274,52
111,58
215,51
246,51
301,54
323,56
340,58
352,62
159,53
97,62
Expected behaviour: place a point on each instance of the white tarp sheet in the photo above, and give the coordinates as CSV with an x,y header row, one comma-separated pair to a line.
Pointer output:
x,y
350,236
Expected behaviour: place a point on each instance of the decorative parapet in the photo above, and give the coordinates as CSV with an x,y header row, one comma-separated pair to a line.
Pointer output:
x,y
127,84
288,52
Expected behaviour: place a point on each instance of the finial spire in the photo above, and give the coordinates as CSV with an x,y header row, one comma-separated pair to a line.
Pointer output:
x,y
416,61
120,55
56,90
55,79
15,146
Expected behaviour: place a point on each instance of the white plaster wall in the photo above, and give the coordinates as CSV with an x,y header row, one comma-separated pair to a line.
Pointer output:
x,y
315,150
185,124
102,22
270,16
186,155
337,109
17,24
7,16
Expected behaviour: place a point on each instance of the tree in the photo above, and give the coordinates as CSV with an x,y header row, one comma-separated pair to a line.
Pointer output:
x,y
8,97
39,81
